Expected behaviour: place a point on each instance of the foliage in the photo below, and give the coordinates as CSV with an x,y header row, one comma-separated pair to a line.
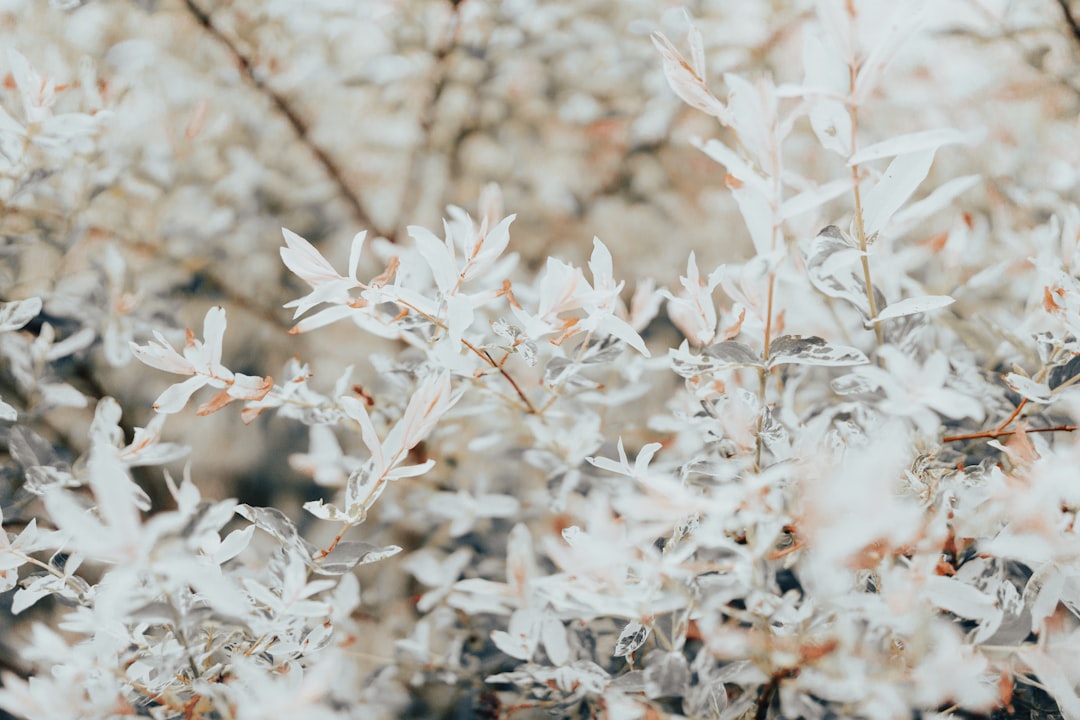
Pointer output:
x,y
843,486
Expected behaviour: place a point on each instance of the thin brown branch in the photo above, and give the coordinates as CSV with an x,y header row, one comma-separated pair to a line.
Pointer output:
x,y
1070,19
485,356
285,108
482,354
438,84
996,433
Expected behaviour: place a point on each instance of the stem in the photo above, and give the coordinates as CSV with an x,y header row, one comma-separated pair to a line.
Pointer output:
x,y
480,354
759,442
334,543
999,430
181,638
992,434
859,226
767,344
483,355
428,120
557,388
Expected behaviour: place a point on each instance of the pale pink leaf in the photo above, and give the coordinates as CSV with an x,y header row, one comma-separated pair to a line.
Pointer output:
x,y
686,82
305,261
162,356
430,401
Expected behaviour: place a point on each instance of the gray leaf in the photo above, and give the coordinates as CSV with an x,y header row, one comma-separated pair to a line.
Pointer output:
x,y
667,675
280,526
733,354
798,350
348,555
852,384
630,639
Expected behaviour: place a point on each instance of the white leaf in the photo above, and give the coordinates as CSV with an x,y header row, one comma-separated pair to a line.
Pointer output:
x,y
906,18
1043,592
959,598
61,395
325,511
1028,388
738,168
813,198
175,397
357,410
911,306
831,122
28,596
233,544
355,250
910,143
1053,675
758,216
686,81
459,316
438,256
900,180
942,197
13,315
553,635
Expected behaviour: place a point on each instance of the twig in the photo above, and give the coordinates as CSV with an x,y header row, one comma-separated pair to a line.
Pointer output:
x,y
859,226
996,433
419,154
283,106
484,355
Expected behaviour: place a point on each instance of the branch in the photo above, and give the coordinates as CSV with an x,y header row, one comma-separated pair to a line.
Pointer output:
x,y
283,106
996,433
439,78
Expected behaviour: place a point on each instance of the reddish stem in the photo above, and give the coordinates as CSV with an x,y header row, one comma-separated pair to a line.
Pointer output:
x,y
996,433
